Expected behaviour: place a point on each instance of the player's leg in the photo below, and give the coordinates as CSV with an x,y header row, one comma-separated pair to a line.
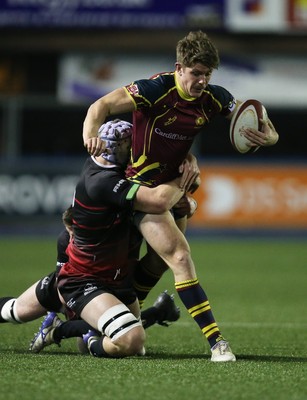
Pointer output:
x,y
121,329
150,268
53,330
161,232
24,308
147,273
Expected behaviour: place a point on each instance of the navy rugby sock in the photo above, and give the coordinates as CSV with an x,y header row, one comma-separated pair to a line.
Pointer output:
x,y
196,302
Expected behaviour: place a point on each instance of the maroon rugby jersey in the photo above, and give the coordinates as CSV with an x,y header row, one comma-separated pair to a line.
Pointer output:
x,y
165,124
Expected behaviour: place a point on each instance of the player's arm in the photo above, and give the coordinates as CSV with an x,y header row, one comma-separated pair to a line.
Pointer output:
x,y
267,137
159,199
190,178
116,102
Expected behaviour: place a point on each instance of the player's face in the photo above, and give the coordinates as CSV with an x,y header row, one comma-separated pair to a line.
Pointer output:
x,y
123,151
193,80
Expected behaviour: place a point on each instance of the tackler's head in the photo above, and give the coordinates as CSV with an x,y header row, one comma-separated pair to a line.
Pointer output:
x,y
117,136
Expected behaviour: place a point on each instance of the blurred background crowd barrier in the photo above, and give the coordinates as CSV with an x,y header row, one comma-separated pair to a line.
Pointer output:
x,y
57,57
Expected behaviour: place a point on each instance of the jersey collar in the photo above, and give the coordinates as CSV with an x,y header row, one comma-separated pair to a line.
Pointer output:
x,y
181,92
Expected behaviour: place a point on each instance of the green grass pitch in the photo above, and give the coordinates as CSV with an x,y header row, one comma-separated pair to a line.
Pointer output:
x,y
258,293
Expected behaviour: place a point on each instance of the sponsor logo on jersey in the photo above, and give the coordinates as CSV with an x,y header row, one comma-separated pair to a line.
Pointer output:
x,y
89,288
117,273
71,302
232,105
118,185
173,136
45,282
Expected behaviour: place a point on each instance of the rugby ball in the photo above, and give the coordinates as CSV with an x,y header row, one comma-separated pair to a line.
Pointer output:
x,y
248,115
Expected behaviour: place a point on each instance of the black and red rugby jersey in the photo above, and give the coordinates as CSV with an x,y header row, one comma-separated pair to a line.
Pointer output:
x,y
102,209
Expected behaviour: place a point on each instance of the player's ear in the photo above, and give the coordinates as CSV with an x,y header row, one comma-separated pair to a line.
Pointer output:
x,y
178,67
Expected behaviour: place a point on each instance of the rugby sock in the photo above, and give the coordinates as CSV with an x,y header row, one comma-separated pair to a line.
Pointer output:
x,y
8,311
96,348
196,302
3,301
69,329
144,281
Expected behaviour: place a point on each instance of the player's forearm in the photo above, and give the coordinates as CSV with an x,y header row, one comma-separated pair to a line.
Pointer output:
x,y
169,194
159,199
95,117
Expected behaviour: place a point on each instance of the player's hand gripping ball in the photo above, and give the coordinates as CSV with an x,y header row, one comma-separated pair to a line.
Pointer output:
x,y
248,115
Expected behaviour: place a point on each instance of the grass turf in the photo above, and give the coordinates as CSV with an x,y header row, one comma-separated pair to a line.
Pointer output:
x,y
257,289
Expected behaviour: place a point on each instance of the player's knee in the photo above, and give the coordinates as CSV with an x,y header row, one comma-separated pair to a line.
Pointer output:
x,y
132,342
123,328
182,256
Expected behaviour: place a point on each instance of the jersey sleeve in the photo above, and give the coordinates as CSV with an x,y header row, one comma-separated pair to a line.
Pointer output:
x,y
224,97
112,189
145,92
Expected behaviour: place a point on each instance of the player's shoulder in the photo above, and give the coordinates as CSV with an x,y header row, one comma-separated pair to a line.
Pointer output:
x,y
93,167
165,78
156,85
221,97
217,90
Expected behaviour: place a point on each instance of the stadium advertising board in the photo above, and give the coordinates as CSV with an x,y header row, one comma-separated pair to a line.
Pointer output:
x,y
230,196
238,15
125,14
265,15
252,196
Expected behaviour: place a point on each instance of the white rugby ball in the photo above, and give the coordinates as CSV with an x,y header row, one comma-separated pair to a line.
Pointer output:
x,y
248,115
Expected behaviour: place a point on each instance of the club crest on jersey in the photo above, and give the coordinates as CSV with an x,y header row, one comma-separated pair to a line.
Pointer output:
x,y
133,89
200,121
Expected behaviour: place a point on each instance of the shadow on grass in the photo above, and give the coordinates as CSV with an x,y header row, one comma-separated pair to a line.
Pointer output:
x,y
172,356
240,357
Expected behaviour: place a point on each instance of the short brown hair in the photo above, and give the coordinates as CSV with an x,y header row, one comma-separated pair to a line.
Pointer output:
x,y
67,217
195,48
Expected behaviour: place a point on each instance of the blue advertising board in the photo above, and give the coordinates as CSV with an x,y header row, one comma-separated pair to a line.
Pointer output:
x,y
121,14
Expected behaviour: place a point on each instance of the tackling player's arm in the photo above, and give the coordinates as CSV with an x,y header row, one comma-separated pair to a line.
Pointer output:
x,y
116,102
159,199
162,198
